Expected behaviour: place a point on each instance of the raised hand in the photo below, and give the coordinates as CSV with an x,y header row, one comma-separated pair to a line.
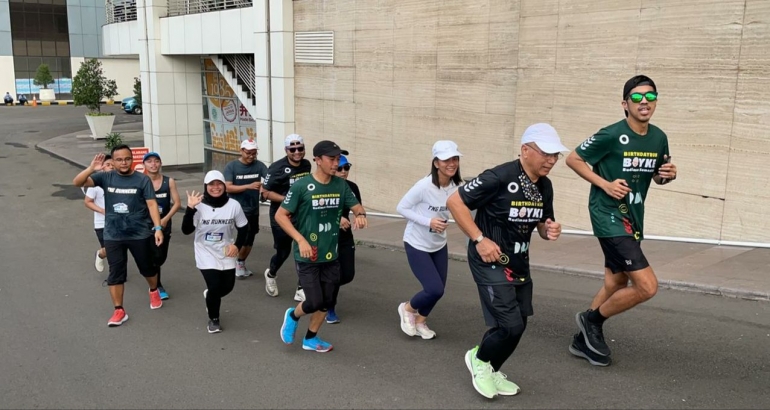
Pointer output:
x,y
193,199
98,162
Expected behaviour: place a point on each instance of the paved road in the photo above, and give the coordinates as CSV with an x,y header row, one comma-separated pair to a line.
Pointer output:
x,y
681,350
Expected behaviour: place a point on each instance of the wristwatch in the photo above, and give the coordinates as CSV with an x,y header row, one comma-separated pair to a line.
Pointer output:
x,y
157,228
478,240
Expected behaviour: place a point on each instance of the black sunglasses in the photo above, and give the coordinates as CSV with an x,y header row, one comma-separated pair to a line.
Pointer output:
x,y
295,149
345,167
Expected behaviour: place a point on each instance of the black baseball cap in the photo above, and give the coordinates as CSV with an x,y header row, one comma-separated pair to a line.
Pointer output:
x,y
328,148
636,81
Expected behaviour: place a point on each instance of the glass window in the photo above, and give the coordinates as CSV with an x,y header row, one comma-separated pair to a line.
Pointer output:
x,y
34,48
19,48
49,49
31,22
20,64
62,49
34,63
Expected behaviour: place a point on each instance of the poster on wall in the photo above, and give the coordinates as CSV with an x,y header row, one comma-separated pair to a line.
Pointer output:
x,y
27,86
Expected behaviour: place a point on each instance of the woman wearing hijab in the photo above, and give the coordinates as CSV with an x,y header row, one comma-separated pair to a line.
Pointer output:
x,y
215,219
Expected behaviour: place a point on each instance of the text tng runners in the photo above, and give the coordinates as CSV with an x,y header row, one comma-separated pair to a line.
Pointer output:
x,y
289,327
578,348
483,381
317,344
594,336
118,318
155,301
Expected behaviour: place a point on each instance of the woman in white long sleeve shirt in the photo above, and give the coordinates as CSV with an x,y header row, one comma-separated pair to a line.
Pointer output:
x,y
424,206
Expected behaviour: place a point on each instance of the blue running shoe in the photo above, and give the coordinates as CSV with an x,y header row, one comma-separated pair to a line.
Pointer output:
x,y
331,317
289,327
163,294
316,344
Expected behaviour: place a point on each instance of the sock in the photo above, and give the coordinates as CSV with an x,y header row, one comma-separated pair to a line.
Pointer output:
x,y
299,287
153,289
310,335
293,316
241,260
118,307
595,317
271,274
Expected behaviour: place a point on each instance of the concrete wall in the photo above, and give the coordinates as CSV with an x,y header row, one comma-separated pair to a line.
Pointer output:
x,y
409,72
7,77
122,70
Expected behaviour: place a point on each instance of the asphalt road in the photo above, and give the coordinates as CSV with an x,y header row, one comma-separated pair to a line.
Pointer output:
x,y
680,350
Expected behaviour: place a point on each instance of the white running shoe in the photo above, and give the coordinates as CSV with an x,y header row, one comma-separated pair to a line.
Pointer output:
x,y
240,270
299,295
407,320
270,286
424,331
99,263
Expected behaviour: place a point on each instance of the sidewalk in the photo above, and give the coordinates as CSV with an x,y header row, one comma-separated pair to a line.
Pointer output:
x,y
739,272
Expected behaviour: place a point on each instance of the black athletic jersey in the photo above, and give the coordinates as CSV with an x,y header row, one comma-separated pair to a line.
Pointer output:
x,y
163,197
280,177
509,207
346,237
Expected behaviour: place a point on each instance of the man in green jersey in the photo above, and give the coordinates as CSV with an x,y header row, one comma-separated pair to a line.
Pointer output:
x,y
620,161
317,202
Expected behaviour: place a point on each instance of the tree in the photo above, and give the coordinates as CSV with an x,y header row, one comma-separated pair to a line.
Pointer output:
x,y
90,86
43,76
138,90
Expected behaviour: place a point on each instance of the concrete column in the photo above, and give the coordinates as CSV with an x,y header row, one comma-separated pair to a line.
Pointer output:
x,y
281,71
7,75
171,93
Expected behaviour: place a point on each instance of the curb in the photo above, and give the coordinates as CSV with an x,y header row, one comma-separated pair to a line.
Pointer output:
x,y
55,103
663,284
57,156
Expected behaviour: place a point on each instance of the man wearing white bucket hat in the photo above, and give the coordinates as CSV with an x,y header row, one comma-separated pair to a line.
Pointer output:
x,y
511,200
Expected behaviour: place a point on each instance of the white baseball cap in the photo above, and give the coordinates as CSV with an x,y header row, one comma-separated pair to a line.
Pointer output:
x,y
249,144
292,139
444,150
213,175
545,137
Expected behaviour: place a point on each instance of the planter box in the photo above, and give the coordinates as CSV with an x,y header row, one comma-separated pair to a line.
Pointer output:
x,y
100,125
47,95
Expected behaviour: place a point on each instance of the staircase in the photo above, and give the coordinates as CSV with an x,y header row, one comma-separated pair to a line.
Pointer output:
x,y
238,71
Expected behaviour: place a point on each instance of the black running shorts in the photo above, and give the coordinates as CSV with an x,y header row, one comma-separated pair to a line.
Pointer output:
x,y
505,305
623,254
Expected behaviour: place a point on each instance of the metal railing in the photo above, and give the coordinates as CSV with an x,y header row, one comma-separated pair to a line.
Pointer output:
x,y
243,64
182,7
119,11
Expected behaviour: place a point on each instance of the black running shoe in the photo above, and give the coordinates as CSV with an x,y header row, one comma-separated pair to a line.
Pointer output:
x,y
214,326
578,348
594,337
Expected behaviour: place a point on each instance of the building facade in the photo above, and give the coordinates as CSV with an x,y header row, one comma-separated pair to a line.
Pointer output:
x,y
386,78
61,34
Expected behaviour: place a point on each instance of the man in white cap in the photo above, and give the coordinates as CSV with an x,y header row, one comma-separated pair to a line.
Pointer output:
x,y
280,177
244,181
511,200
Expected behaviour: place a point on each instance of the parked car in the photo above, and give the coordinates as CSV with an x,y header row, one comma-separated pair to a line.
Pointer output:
x,y
131,106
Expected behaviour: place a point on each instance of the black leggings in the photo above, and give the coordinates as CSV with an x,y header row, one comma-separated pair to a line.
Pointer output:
x,y
160,253
219,283
283,248
498,344
347,258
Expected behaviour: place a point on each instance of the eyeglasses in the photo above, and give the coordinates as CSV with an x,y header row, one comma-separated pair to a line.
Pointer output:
x,y
296,149
555,156
651,96
250,153
122,159
345,168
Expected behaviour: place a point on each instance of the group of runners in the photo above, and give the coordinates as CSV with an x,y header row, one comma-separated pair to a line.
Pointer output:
x,y
314,210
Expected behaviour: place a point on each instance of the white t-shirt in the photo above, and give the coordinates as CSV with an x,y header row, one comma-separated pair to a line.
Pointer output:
x,y
215,229
423,202
97,194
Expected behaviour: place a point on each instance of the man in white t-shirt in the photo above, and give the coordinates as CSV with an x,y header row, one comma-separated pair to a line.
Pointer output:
x,y
95,202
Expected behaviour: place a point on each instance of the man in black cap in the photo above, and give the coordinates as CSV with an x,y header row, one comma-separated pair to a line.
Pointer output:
x,y
317,202
620,161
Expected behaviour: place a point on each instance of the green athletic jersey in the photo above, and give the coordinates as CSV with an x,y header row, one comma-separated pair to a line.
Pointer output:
x,y
617,152
317,209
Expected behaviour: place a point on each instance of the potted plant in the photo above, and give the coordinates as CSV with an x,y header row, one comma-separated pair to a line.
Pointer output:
x,y
89,88
42,78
